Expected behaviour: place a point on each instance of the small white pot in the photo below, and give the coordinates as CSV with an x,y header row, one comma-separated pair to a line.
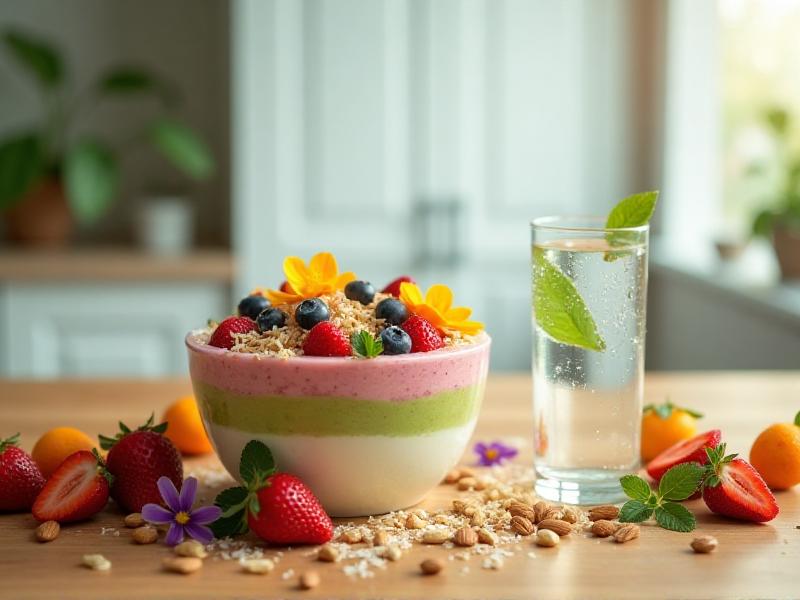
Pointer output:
x,y
166,225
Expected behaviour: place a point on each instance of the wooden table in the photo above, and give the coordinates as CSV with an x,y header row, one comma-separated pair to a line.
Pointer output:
x,y
753,561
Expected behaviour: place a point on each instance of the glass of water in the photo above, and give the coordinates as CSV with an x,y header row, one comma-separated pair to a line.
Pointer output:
x,y
589,303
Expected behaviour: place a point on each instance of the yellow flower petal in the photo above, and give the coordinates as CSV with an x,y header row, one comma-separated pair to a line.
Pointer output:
x,y
410,294
431,314
323,267
440,297
276,297
344,279
297,274
458,313
468,327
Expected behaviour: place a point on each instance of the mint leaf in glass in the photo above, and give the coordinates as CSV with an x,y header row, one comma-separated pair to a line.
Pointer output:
x,y
634,511
560,310
635,487
633,211
680,482
675,517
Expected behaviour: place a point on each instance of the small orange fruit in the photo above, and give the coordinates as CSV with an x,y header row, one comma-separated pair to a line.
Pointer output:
x,y
185,427
665,425
776,454
57,444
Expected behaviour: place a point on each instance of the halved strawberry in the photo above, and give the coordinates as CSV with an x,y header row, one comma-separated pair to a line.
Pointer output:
x,y
78,489
691,450
733,488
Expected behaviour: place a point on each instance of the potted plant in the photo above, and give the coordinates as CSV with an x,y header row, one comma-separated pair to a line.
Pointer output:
x,y
781,221
50,177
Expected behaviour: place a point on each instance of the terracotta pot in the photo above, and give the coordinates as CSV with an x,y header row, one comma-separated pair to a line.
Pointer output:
x,y
787,248
42,217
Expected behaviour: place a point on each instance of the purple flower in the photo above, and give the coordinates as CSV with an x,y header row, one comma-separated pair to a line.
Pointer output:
x,y
495,453
179,514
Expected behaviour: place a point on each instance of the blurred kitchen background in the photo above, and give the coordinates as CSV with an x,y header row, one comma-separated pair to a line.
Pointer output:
x,y
158,158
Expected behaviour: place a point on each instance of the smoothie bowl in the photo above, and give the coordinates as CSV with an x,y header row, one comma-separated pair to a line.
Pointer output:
x,y
368,404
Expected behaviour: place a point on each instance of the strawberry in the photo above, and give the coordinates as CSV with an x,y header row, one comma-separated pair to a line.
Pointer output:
x,y
424,336
137,459
223,334
20,477
691,450
286,288
76,490
394,287
326,339
278,507
733,488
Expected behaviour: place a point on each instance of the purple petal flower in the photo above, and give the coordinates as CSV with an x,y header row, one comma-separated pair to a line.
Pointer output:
x,y
169,493
199,532
157,514
188,491
495,453
182,519
206,514
174,535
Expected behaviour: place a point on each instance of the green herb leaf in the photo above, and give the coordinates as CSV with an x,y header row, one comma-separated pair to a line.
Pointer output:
x,y
797,419
37,56
365,345
635,487
20,167
634,511
256,464
559,309
675,517
633,211
234,517
680,482
183,148
91,176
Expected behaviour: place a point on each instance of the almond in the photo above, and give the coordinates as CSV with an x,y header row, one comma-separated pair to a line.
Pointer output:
x,y
541,508
467,483
518,509
555,514
48,531
603,528
415,522
608,512
704,544
558,526
309,580
435,536
522,526
191,548
328,553
570,515
465,537
431,566
185,565
134,520
145,535
487,537
547,538
626,533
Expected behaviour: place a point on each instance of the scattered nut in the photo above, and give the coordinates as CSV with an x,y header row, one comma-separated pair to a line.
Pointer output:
x,y
328,553
435,536
468,472
465,537
452,476
518,509
308,580
480,484
185,565
477,519
145,535
381,538
257,566
570,515
541,508
96,562
547,538
522,526
134,520
415,522
608,512
393,553
431,566
626,533
557,526
603,528
467,483
351,536
554,514
487,537
48,531
191,548
704,544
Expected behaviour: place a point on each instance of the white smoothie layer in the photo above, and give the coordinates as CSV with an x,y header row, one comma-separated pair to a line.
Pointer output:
x,y
356,475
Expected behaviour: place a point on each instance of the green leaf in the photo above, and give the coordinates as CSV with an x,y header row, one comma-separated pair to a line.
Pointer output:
x,y
183,148
675,517
234,517
560,311
635,487
634,511
126,80
41,59
256,464
366,345
681,481
633,211
20,167
797,419
91,175
763,223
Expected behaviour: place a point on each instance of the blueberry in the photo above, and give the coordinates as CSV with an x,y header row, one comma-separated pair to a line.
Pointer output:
x,y
252,306
310,312
391,309
360,290
270,318
395,341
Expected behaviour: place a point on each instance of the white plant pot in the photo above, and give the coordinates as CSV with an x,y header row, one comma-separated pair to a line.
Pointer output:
x,y
166,225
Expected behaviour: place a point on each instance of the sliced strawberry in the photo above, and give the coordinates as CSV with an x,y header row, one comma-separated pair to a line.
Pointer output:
x,y
691,450
394,287
733,488
223,334
77,489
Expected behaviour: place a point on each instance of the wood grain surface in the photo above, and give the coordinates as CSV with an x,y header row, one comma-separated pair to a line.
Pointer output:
x,y
753,561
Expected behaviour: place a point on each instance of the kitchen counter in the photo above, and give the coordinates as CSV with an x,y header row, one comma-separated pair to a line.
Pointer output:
x,y
751,561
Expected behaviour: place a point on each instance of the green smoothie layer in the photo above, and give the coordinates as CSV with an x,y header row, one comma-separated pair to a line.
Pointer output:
x,y
330,415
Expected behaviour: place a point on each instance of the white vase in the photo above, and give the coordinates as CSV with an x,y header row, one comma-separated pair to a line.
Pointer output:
x,y
166,225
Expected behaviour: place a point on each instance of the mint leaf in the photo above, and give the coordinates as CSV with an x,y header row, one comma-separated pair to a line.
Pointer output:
x,y
680,482
234,517
365,345
256,464
634,511
635,487
633,211
675,517
559,309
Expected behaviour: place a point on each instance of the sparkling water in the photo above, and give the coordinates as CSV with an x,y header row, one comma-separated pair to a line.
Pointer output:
x,y
587,404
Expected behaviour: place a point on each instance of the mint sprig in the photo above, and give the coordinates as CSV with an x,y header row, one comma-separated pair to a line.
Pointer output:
x,y
365,345
677,484
256,466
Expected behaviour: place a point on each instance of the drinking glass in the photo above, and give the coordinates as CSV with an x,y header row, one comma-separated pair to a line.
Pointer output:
x,y
589,304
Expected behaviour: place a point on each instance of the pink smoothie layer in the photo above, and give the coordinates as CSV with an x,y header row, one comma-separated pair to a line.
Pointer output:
x,y
390,378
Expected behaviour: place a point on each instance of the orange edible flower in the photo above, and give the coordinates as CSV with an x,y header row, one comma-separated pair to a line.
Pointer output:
x,y
321,276
437,308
